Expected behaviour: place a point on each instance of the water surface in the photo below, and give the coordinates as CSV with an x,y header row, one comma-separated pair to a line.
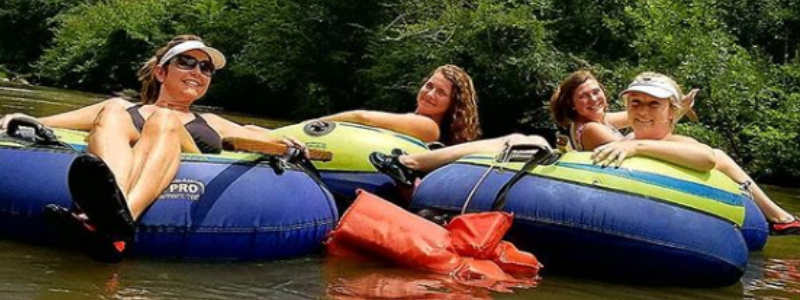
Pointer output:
x,y
34,272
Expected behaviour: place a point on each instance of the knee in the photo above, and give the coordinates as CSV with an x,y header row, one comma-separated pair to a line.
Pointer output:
x,y
514,136
111,110
728,166
162,121
511,138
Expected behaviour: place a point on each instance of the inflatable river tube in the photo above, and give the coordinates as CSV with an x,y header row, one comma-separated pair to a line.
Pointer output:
x,y
647,221
235,206
351,145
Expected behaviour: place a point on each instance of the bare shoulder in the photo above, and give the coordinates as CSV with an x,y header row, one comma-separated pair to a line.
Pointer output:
x,y
116,101
597,130
596,134
595,126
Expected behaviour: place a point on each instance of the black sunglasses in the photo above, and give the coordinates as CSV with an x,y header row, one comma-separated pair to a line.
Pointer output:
x,y
186,62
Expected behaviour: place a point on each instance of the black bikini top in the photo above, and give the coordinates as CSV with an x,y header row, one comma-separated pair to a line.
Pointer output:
x,y
205,137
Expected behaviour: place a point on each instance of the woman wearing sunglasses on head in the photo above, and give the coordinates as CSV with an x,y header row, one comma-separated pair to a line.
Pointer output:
x,y
654,105
134,149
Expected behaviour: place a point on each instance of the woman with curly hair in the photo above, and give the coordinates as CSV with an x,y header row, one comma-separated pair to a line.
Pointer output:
x,y
448,100
447,110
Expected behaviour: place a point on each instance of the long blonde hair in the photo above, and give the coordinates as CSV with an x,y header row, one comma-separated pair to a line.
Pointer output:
x,y
147,75
461,123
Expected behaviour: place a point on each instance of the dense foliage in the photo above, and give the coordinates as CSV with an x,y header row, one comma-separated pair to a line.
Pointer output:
x,y
305,58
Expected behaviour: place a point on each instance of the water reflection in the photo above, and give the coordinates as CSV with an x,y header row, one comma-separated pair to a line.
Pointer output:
x,y
351,279
34,272
780,279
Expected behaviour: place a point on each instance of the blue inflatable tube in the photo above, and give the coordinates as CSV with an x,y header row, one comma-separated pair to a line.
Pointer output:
x,y
226,206
582,229
755,229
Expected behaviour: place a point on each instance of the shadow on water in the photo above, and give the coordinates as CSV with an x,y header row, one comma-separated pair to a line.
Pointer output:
x,y
33,272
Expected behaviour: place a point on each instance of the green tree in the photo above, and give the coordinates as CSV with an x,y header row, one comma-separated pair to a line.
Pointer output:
x,y
26,30
298,58
305,58
504,46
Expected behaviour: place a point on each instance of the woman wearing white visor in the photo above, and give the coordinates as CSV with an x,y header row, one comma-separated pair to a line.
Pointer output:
x,y
134,149
653,103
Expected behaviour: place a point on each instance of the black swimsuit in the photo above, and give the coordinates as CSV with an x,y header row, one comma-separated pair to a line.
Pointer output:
x,y
206,139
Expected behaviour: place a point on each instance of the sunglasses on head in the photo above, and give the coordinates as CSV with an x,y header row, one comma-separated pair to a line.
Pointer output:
x,y
186,62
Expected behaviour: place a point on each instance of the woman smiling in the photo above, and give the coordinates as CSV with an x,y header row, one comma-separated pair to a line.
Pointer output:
x,y
654,105
134,149
447,110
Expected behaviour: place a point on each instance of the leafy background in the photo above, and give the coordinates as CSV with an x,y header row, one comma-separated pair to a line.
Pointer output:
x,y
305,58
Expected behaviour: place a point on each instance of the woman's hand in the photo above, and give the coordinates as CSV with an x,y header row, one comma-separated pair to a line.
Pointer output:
x,y
687,103
293,142
614,153
688,100
7,118
520,139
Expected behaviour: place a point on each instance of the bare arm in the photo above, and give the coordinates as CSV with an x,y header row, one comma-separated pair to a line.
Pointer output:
x,y
679,150
80,119
414,125
427,161
618,119
595,135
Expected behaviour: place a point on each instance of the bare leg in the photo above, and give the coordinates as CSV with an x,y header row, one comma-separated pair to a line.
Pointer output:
x,y
156,158
111,138
431,160
771,210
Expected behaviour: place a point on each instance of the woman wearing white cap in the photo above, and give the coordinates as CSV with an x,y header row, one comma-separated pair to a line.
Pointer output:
x,y
134,149
580,105
653,105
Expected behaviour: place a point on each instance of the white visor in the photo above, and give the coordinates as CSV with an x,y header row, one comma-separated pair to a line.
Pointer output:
x,y
216,57
653,87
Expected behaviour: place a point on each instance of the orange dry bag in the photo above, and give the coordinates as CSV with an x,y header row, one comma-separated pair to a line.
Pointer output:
x,y
479,235
376,227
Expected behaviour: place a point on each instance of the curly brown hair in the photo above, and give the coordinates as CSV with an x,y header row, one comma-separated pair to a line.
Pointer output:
x,y
562,106
147,75
461,123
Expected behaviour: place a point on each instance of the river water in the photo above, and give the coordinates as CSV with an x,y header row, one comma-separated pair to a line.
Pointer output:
x,y
34,272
